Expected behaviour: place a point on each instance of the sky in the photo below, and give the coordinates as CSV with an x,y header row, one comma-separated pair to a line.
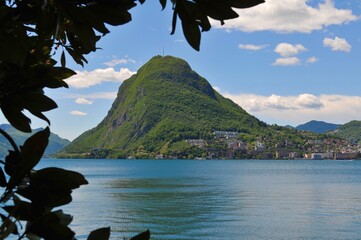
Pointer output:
x,y
285,62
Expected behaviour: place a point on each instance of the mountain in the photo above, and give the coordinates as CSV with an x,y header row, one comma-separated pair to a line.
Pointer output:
x,y
158,108
56,143
318,126
350,131
167,109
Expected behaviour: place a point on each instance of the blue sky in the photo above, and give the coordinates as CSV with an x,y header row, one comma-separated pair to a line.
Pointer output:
x,y
285,62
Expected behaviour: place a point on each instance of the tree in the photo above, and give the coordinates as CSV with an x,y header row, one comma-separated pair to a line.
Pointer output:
x,y
31,31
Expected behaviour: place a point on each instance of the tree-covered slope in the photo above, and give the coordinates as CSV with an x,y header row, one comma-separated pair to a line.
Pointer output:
x,y
318,126
164,103
56,143
350,131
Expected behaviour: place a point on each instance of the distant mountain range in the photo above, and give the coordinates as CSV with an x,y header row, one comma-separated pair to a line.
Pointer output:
x,y
318,126
350,131
56,143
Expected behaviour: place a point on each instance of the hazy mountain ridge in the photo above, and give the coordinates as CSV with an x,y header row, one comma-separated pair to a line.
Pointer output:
x,y
56,143
318,126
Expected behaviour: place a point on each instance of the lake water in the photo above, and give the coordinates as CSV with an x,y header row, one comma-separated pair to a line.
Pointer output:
x,y
225,199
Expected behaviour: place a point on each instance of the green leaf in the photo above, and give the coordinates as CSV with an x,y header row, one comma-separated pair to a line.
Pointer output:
x,y
142,236
100,234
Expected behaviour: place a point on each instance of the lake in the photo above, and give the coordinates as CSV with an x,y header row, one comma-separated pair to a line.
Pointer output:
x,y
217,199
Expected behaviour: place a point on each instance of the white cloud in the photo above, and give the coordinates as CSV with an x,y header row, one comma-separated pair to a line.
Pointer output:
x,y
337,44
288,16
92,96
301,108
287,50
251,47
85,79
83,101
116,62
78,113
286,61
312,60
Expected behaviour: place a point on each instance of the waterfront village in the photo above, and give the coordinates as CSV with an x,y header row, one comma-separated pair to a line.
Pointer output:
x,y
328,148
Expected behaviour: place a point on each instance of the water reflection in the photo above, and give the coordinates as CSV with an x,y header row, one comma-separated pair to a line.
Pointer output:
x,y
178,205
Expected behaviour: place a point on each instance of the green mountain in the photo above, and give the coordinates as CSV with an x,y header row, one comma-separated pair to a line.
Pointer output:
x,y
160,106
56,143
318,126
350,131
166,103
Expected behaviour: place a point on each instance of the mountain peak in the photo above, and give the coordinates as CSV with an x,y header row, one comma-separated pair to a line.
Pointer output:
x,y
159,107
174,69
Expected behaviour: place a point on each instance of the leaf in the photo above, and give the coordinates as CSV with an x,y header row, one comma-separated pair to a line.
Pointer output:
x,y
33,149
64,219
12,161
192,34
48,227
35,102
174,21
100,234
245,3
2,178
13,114
142,236
58,178
163,3
62,59
21,210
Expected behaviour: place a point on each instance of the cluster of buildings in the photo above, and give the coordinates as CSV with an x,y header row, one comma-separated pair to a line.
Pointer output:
x,y
228,145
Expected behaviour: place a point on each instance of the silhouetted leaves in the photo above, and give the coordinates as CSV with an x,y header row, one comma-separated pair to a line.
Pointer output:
x,y
52,187
100,234
36,103
2,178
30,154
142,236
194,15
51,227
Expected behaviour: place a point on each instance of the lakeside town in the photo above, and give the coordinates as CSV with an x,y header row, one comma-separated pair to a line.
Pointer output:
x,y
262,148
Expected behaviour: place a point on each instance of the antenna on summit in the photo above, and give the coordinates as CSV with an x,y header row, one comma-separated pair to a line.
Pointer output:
x,y
163,51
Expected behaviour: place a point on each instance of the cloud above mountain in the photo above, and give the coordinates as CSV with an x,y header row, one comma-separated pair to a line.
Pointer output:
x,y
85,79
300,108
289,16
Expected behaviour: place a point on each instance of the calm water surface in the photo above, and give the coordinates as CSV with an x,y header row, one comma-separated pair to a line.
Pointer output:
x,y
226,199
